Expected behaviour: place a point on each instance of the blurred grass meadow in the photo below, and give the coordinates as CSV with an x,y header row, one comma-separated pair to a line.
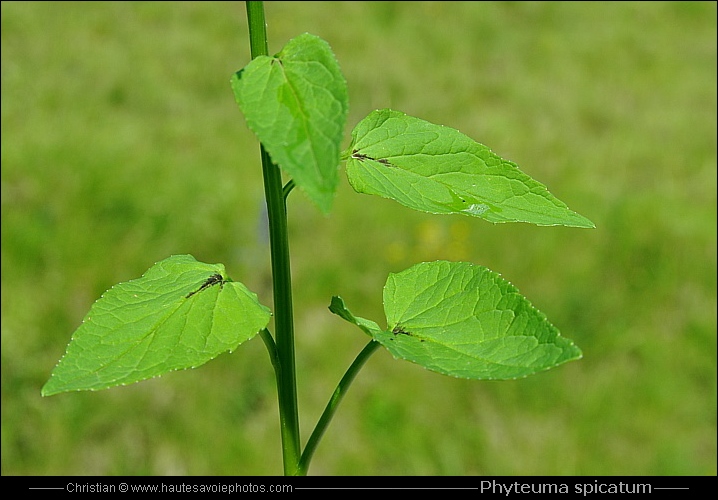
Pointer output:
x,y
122,145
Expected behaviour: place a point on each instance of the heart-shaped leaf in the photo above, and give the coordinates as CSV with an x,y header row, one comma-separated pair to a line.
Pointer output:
x,y
464,320
180,314
296,103
439,170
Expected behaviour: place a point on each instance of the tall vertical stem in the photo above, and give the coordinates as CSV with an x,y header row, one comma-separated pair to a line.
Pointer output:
x,y
281,276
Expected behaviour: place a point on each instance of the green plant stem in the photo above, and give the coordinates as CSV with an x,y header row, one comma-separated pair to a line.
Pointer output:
x,y
333,403
288,188
281,276
272,349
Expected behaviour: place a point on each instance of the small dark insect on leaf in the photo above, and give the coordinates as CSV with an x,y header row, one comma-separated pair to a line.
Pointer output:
x,y
212,280
398,329
360,156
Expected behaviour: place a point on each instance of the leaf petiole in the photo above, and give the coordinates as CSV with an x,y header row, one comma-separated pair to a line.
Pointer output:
x,y
333,403
288,188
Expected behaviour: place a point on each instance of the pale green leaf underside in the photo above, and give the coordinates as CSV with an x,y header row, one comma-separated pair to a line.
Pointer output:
x,y
439,170
296,103
464,320
148,326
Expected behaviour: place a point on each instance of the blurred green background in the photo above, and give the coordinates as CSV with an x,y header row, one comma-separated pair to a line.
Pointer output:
x,y
122,145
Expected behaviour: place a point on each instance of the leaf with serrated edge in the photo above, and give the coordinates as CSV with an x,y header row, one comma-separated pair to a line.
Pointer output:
x,y
177,315
437,169
464,320
296,103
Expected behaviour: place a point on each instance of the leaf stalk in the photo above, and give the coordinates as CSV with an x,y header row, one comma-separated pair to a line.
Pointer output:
x,y
333,403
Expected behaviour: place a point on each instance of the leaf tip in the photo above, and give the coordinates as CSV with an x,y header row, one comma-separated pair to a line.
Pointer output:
x,y
47,389
584,223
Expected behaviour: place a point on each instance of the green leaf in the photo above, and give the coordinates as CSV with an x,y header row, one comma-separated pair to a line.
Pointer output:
x,y
180,314
439,170
296,103
338,307
464,320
